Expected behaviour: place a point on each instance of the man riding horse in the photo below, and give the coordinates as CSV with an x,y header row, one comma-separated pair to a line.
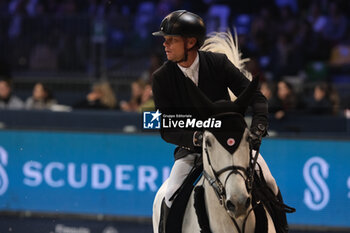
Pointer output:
x,y
184,33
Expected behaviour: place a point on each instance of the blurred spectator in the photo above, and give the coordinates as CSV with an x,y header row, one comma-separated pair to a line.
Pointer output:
x,y
97,8
7,99
317,47
320,102
340,58
336,24
335,99
309,44
292,4
155,62
286,99
147,102
288,21
164,7
316,18
346,105
218,17
102,96
144,19
264,29
268,90
285,59
137,89
325,100
18,11
41,99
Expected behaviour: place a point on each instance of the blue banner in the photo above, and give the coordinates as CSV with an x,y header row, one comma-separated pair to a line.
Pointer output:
x,y
119,174
82,173
314,177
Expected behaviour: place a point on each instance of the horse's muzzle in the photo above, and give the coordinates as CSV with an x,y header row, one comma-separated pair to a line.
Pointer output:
x,y
237,209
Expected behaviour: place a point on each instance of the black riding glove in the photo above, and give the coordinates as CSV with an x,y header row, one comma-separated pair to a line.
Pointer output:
x,y
255,136
198,138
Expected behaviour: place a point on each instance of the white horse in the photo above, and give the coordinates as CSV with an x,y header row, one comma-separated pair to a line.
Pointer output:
x,y
229,207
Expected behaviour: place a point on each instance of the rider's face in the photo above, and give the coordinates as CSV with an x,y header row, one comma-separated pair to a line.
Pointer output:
x,y
174,47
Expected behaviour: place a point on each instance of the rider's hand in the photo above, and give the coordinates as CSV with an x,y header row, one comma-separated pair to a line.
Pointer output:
x,y
255,136
198,138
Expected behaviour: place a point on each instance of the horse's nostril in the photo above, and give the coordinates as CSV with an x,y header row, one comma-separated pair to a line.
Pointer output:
x,y
230,206
247,203
207,142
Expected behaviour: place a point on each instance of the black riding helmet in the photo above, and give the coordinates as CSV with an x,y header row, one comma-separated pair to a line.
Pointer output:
x,y
183,23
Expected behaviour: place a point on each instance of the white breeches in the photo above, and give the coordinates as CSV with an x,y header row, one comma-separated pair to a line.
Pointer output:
x,y
178,174
183,166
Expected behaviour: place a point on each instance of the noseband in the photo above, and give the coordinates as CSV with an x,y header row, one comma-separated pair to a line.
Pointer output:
x,y
246,173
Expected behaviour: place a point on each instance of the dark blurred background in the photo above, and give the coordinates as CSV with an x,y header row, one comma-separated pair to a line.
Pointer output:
x,y
297,47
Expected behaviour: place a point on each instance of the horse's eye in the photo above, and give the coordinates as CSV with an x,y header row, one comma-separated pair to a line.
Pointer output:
x,y
207,142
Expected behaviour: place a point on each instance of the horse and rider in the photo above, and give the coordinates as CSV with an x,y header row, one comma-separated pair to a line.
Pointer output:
x,y
198,83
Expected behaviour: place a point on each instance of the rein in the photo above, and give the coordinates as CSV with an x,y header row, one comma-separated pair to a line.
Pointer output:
x,y
219,188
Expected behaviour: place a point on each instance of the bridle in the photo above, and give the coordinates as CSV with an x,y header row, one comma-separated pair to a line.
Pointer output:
x,y
219,188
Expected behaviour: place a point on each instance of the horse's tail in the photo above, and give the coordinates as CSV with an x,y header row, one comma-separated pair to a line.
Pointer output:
x,y
223,42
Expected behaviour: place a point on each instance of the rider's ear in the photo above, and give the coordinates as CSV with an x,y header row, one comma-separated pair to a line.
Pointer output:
x,y
191,42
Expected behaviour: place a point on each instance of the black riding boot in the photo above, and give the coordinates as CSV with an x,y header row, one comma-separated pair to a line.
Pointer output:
x,y
164,211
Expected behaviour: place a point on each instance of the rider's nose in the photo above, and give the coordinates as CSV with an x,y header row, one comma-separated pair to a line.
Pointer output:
x,y
165,43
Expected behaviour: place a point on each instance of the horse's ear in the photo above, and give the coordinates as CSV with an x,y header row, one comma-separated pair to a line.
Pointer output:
x,y
247,95
242,102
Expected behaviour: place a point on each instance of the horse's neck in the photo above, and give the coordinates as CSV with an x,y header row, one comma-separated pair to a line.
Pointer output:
x,y
219,220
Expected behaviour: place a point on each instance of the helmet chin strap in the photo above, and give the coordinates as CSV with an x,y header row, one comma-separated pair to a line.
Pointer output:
x,y
185,57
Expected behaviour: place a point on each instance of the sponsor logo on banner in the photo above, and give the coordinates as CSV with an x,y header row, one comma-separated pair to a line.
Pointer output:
x,y
4,181
100,175
316,196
